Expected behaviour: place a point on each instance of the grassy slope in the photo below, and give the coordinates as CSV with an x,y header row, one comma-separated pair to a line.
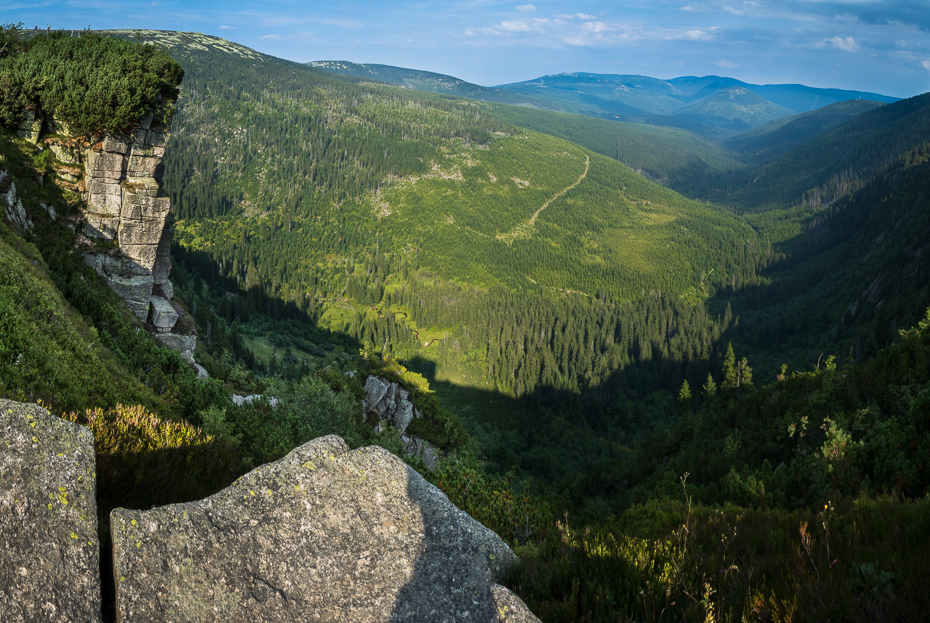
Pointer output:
x,y
465,212
675,157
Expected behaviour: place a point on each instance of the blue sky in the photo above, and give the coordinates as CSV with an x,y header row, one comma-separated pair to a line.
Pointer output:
x,y
870,45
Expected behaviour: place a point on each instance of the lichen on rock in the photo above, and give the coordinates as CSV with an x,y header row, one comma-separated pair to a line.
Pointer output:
x,y
324,534
48,518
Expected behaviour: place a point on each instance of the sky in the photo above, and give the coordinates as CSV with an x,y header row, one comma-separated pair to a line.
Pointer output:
x,y
877,46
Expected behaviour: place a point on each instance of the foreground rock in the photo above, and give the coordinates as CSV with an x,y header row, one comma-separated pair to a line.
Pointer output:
x,y
324,534
48,518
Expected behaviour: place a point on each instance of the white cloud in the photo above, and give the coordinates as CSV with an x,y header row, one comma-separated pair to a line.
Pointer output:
x,y
725,64
730,9
582,16
273,37
225,27
515,26
688,8
847,45
926,64
691,35
526,8
594,27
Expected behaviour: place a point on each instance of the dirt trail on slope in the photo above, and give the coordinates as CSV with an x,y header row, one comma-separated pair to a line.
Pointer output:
x,y
587,165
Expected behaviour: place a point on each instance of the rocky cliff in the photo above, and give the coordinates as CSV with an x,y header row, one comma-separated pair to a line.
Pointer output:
x,y
124,226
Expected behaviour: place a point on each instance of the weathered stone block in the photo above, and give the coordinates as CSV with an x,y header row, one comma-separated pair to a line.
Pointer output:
x,y
142,166
48,518
68,155
100,226
184,344
148,232
116,144
30,127
136,291
101,164
141,254
138,206
324,534
106,204
162,268
115,264
162,315
99,186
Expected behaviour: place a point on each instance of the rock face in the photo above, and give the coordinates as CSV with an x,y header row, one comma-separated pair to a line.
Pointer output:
x,y
125,203
389,404
120,178
324,534
13,205
48,518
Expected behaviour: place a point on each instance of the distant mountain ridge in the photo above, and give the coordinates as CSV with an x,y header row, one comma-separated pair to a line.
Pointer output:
x,y
709,105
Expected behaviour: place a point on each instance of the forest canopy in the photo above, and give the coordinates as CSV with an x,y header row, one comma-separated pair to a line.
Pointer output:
x,y
94,84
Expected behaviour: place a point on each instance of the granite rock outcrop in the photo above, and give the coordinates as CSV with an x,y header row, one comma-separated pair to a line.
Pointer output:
x,y
48,518
387,403
119,177
324,534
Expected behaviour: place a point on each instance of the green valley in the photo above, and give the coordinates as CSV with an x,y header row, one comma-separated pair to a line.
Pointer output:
x,y
683,371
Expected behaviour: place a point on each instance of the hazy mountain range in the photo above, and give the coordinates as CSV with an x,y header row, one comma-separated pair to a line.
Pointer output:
x,y
710,105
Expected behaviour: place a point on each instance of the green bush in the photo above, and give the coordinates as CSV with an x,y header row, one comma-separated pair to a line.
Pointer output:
x,y
94,84
144,460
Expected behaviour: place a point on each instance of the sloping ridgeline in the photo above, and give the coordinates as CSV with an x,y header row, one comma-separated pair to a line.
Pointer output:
x,y
501,257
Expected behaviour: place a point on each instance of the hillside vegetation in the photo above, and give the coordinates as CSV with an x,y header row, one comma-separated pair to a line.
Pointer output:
x,y
627,384
59,73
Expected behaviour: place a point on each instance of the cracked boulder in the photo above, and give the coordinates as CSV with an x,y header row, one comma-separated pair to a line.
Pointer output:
x,y
324,534
48,518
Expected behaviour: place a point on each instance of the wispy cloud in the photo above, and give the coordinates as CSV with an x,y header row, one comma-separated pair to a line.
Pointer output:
x,y
225,27
583,16
526,8
926,64
726,64
847,45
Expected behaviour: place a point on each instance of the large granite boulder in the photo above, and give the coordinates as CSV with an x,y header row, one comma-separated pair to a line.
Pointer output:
x,y
324,534
48,518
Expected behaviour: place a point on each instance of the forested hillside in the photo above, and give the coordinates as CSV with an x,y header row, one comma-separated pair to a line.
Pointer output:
x,y
820,171
672,409
427,229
